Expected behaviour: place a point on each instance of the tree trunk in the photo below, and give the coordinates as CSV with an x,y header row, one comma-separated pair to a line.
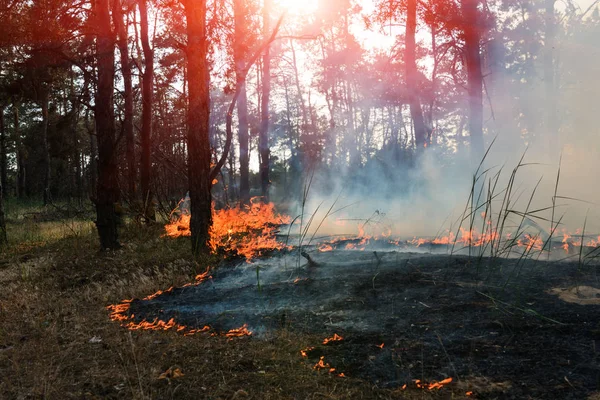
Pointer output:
x,y
474,77
263,138
147,100
108,189
240,54
121,29
412,76
199,155
45,151
551,120
3,165
20,153
3,235
93,168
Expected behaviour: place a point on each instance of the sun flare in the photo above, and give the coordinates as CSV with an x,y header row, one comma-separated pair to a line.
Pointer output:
x,y
298,7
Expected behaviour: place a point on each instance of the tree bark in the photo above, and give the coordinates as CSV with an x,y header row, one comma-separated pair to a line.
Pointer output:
x,y
3,235
45,150
108,189
551,120
3,165
93,167
263,138
121,29
199,155
472,33
20,153
412,76
147,101
240,54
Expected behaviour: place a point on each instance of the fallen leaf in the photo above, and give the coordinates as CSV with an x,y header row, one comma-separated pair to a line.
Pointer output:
x,y
171,373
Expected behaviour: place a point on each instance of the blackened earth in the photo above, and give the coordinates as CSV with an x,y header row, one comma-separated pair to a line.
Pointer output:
x,y
491,324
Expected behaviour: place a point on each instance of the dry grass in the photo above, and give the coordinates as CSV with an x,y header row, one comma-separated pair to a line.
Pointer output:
x,y
57,342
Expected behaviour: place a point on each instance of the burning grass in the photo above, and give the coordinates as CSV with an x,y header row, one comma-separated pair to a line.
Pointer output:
x,y
57,342
246,231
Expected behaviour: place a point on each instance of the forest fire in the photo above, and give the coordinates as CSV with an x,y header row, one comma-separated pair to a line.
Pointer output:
x,y
119,313
462,239
247,231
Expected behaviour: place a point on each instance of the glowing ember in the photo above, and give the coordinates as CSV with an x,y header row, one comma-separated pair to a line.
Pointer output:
x,y
304,352
239,332
433,385
325,247
381,345
247,231
334,338
323,365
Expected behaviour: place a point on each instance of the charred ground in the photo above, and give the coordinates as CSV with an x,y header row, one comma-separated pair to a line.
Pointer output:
x,y
493,325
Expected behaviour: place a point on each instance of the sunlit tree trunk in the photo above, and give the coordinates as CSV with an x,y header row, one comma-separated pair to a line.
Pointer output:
x,y
121,29
107,194
263,138
472,27
199,155
240,54
412,75
147,101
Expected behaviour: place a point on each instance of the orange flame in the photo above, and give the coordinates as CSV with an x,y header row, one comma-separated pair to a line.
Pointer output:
x,y
432,385
334,338
239,332
304,352
246,231
325,247
118,312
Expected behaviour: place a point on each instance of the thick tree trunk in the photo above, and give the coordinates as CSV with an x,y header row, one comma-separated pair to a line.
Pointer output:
x,y
474,75
147,100
412,76
121,29
240,54
263,138
199,155
108,189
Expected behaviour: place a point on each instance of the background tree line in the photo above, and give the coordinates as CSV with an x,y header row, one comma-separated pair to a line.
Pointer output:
x,y
126,102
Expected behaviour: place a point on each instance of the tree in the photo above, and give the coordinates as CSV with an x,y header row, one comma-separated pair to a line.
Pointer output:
x,y
263,138
147,103
107,194
472,34
239,55
412,76
119,16
198,117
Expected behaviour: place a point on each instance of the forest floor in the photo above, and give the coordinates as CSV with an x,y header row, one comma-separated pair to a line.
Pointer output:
x,y
57,341
406,319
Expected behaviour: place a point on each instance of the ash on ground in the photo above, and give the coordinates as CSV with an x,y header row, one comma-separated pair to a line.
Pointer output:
x,y
499,327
